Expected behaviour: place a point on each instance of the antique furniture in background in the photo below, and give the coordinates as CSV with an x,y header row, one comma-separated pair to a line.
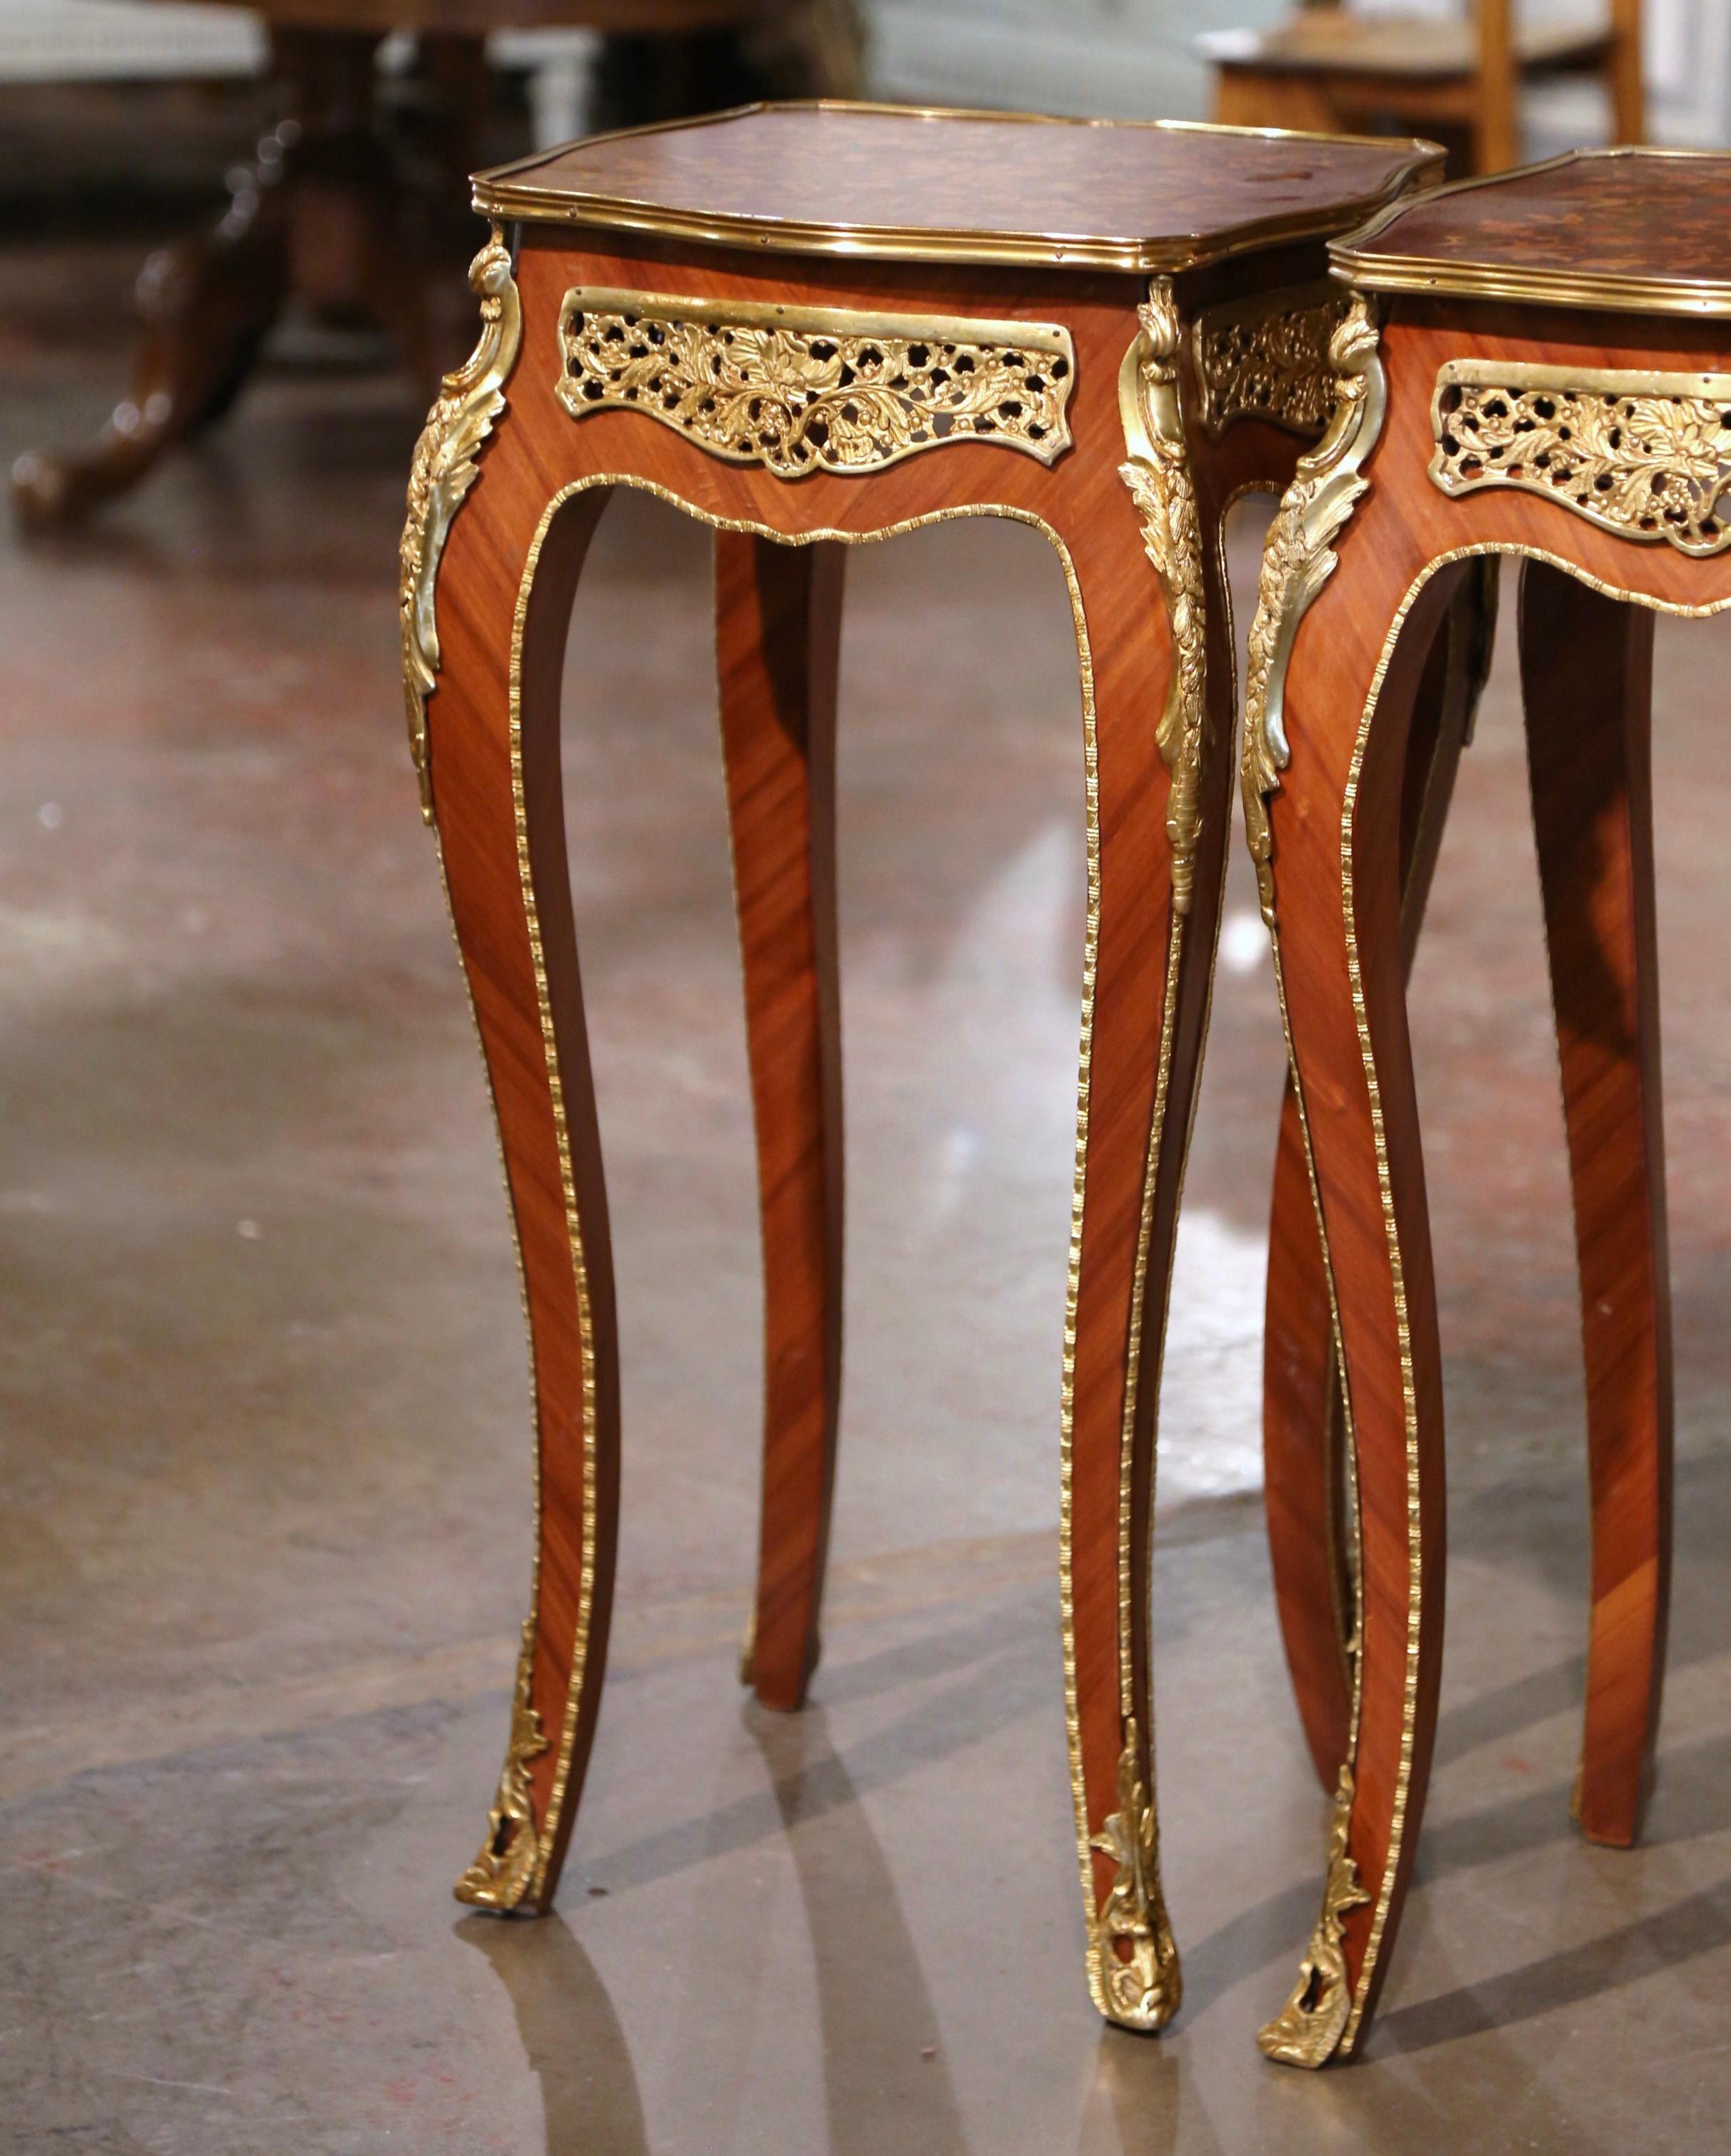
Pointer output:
x,y
1457,78
813,327
1537,365
365,214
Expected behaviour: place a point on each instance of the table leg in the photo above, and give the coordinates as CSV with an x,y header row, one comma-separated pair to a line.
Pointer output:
x,y
1303,1430
778,639
494,761
1149,967
1586,672
1329,848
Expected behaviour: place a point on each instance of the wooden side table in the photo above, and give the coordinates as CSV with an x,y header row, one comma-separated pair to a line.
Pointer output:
x,y
1537,365
812,327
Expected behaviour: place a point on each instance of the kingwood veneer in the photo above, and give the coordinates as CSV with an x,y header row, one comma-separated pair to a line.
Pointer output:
x,y
813,327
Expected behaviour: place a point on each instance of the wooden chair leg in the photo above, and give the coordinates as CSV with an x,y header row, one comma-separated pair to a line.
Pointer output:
x,y
1625,82
494,752
1332,889
1586,674
778,636
1244,98
1148,968
1303,1430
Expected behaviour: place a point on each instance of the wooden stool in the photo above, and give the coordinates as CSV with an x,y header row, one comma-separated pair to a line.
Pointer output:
x,y
1550,377
823,326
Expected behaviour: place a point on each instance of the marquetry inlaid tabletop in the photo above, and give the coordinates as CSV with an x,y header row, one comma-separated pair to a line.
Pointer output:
x,y
897,184
1645,230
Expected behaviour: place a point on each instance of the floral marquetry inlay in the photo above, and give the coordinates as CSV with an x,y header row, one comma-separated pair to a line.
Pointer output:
x,y
1647,456
806,389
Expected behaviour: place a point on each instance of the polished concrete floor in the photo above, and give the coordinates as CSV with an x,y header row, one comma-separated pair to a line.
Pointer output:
x,y
264,1533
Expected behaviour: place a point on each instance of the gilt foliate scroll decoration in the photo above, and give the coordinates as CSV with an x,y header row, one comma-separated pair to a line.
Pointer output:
x,y
503,1873
1308,2027
443,471
1132,1963
1298,560
1645,455
1157,470
1255,361
806,389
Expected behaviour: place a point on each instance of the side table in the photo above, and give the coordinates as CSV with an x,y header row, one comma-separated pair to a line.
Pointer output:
x,y
811,327
1537,365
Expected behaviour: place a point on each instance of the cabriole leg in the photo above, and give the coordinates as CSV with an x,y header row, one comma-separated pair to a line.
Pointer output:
x,y
1303,1430
1158,811
1586,675
495,764
1330,852
778,636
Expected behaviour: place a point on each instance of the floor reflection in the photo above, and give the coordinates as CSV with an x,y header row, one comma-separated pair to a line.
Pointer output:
x,y
886,2082
1004,1654
1134,2105
1669,1937
571,2035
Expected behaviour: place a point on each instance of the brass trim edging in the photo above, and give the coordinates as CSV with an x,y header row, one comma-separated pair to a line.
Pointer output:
x,y
499,193
1393,273
1410,1416
573,1227
1627,594
492,1880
